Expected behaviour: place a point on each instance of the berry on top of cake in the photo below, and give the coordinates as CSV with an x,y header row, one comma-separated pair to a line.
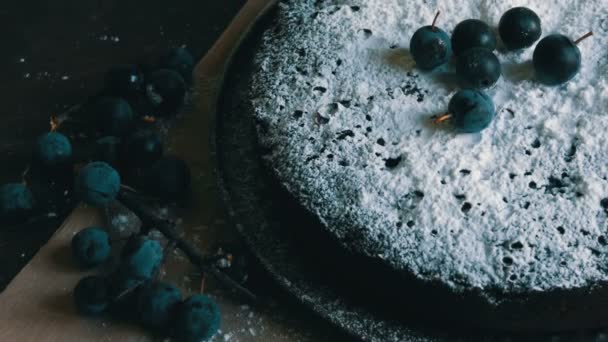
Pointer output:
x,y
343,112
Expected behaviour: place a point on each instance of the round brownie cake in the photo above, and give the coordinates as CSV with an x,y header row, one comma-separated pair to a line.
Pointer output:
x,y
503,229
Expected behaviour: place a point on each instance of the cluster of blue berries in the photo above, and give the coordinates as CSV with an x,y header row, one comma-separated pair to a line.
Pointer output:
x,y
556,60
121,115
121,144
132,289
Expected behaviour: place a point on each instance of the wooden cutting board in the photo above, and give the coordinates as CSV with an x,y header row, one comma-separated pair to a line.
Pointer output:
x,y
37,304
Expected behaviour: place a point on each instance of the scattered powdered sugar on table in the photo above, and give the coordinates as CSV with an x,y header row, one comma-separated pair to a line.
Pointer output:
x,y
344,116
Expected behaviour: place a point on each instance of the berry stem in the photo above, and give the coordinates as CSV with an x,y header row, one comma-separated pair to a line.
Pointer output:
x,y
24,174
589,34
127,291
442,118
435,20
57,120
54,122
167,228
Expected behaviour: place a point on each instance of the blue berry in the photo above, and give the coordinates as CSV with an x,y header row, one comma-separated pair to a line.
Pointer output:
x,y
141,258
166,91
519,28
91,246
52,151
114,116
16,202
168,178
197,319
180,60
142,148
156,304
478,68
124,80
430,46
471,111
107,149
557,59
97,184
92,295
472,33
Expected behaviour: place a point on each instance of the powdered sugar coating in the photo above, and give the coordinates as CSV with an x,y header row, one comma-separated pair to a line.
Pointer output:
x,y
344,116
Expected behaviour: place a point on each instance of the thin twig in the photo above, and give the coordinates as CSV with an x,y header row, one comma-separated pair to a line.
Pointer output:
x,y
167,228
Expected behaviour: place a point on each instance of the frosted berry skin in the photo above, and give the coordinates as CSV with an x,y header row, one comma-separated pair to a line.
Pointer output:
x,y
52,151
197,319
478,68
114,116
141,258
97,184
92,295
16,202
156,304
430,47
91,247
472,111
519,28
165,91
556,60
472,33
180,60
124,80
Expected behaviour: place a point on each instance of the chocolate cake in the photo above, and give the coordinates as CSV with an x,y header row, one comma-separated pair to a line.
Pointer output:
x,y
503,230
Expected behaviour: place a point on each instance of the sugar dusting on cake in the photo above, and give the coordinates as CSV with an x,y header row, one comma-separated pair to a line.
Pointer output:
x,y
344,116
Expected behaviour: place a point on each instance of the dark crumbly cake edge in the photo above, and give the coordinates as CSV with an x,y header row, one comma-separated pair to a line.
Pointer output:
x,y
432,304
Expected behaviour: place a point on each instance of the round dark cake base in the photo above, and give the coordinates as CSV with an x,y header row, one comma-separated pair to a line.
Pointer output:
x,y
365,297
